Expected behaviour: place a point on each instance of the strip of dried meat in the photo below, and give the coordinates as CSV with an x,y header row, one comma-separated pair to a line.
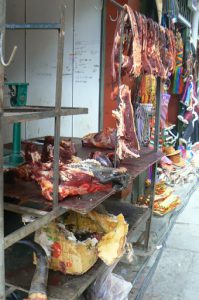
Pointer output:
x,y
127,145
131,46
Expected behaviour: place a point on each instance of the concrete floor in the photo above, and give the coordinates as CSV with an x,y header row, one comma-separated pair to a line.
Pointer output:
x,y
177,273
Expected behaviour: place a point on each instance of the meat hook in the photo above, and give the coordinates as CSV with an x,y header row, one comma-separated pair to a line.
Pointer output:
x,y
6,64
99,7
114,20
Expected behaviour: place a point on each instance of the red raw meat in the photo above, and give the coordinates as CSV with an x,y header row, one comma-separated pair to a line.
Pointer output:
x,y
74,179
104,139
66,150
31,152
128,144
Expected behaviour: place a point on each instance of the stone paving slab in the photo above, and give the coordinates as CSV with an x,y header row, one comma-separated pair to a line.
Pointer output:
x,y
191,287
177,273
185,237
174,264
191,214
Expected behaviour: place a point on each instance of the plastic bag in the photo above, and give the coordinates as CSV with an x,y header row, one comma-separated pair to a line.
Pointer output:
x,y
112,287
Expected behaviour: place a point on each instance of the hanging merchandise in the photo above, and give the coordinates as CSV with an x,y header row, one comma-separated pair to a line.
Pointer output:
x,y
190,118
188,92
165,98
170,136
170,10
178,79
152,137
159,5
143,115
148,89
147,48
164,108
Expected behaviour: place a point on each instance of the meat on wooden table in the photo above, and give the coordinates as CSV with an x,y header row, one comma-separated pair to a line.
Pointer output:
x,y
86,176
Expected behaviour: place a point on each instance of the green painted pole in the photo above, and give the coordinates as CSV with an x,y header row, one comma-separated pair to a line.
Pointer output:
x,y
16,156
16,146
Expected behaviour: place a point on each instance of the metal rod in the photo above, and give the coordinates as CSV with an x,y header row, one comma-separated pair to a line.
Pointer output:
x,y
117,4
152,196
157,114
23,210
119,77
58,98
102,65
9,291
19,234
2,264
54,26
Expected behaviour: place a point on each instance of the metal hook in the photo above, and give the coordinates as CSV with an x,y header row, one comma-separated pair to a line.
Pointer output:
x,y
1,53
99,7
114,20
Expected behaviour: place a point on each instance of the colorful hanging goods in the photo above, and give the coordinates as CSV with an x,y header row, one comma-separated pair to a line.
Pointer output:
x,y
152,137
148,89
171,10
164,108
188,92
178,80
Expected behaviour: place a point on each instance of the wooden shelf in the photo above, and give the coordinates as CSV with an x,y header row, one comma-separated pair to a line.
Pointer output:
x,y
135,166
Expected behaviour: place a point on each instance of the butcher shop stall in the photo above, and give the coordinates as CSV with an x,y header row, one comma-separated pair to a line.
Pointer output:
x,y
99,132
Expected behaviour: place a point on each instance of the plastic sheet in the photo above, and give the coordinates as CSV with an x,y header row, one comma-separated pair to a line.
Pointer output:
x,y
111,287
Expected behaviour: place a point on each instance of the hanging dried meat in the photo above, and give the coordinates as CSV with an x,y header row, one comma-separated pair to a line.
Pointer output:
x,y
131,47
147,48
127,142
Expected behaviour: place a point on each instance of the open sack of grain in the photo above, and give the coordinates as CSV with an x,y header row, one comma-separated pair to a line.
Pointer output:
x,y
74,242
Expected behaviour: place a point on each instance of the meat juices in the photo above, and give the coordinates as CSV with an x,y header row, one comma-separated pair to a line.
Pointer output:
x,y
127,145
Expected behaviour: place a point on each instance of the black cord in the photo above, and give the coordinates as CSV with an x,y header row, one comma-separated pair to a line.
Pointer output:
x,y
15,297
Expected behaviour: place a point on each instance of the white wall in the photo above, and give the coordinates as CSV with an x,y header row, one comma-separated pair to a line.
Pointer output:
x,y
16,71
36,61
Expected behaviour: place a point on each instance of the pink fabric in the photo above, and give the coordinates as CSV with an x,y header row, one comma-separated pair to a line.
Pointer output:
x,y
166,160
164,108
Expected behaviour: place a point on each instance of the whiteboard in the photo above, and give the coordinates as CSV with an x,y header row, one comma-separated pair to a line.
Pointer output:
x,y
36,61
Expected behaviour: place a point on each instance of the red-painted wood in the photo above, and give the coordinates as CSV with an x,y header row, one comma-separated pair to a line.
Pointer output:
x,y
109,104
